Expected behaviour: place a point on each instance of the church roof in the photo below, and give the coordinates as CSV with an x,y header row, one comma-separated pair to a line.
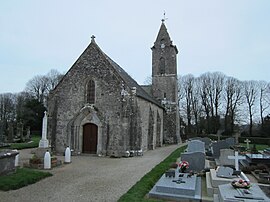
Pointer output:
x,y
140,92
130,82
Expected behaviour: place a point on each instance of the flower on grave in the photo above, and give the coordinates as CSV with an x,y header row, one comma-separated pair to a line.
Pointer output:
x,y
183,165
241,184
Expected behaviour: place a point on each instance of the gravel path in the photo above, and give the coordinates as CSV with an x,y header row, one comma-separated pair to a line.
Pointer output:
x,y
89,178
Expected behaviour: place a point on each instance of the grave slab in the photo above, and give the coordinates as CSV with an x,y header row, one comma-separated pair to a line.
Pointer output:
x,y
228,193
168,188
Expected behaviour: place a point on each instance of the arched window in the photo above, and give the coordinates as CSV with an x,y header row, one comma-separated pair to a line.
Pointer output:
x,y
162,66
90,92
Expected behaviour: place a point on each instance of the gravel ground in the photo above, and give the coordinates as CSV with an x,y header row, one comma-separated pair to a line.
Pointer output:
x,y
89,178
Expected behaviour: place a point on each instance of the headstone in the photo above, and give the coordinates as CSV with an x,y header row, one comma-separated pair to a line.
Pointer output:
x,y
44,143
28,133
47,160
217,146
7,162
196,146
237,135
225,172
10,132
231,141
68,155
20,131
223,158
247,141
16,158
196,160
207,141
219,132
236,158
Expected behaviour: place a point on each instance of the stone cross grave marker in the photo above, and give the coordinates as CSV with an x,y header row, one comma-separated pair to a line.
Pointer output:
x,y
247,141
236,158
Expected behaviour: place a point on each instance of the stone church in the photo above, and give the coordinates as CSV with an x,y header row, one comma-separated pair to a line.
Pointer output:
x,y
98,108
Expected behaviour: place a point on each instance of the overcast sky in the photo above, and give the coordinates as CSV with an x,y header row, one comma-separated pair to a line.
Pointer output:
x,y
229,36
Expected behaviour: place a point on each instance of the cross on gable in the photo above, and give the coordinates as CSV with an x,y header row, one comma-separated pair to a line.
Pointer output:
x,y
93,38
236,158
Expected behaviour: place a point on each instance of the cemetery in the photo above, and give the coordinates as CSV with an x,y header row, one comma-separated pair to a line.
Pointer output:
x,y
215,173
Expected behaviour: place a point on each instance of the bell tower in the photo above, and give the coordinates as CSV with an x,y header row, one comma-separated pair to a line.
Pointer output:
x,y
165,83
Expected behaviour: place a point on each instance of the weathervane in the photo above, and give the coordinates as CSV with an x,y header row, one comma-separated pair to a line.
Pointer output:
x,y
164,17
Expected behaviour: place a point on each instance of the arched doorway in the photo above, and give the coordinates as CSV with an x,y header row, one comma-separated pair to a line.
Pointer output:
x,y
90,132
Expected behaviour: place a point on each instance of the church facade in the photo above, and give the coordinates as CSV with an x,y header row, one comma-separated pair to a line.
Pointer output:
x,y
98,108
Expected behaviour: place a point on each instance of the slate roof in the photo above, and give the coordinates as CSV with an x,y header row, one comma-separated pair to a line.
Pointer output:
x,y
131,82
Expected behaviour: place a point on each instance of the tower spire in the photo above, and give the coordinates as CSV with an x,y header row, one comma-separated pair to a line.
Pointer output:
x,y
164,17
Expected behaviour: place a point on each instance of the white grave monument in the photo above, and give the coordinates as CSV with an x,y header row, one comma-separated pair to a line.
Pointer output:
x,y
67,155
44,143
236,158
247,141
47,160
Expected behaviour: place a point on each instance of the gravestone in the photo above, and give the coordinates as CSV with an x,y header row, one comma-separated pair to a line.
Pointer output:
x,y
247,141
20,131
225,172
177,188
207,142
219,132
223,158
196,146
10,132
231,141
7,162
236,158
196,160
44,143
237,135
28,133
217,146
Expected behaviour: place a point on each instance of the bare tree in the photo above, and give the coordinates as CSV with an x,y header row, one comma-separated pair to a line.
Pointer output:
x,y
41,85
185,96
232,96
250,93
196,104
264,94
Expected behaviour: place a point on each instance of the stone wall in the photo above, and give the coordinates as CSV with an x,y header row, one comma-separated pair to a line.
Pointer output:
x,y
122,118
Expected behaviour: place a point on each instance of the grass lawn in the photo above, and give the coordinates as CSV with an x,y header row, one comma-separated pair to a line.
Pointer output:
x,y
21,178
32,144
142,187
258,146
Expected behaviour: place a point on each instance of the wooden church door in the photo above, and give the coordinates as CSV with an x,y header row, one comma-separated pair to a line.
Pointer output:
x,y
90,138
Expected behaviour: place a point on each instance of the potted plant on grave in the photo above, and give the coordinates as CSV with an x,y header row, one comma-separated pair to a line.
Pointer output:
x,y
183,165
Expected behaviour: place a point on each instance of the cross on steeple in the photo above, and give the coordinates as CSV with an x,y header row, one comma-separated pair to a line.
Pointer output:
x,y
164,17
93,38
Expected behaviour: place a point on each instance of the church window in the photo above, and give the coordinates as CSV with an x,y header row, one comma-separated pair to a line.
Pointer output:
x,y
90,92
162,66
